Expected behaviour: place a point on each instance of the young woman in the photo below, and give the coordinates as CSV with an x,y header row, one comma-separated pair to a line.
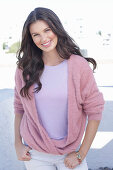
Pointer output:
x,y
55,93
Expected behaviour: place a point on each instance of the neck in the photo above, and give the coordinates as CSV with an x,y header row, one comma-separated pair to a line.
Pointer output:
x,y
52,58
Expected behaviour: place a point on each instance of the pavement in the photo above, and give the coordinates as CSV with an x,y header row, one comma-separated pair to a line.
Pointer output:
x,y
100,156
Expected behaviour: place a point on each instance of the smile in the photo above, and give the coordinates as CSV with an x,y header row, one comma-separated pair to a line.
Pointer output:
x,y
47,44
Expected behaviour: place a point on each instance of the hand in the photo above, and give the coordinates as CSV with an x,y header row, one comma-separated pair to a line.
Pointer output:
x,y
71,160
22,152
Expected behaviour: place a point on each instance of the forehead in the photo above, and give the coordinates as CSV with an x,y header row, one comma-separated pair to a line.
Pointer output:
x,y
38,26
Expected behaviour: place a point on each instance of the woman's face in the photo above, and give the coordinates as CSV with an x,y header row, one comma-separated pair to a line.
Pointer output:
x,y
43,36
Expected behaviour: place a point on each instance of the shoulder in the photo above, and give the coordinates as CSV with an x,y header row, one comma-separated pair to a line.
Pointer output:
x,y
18,74
79,63
78,59
18,71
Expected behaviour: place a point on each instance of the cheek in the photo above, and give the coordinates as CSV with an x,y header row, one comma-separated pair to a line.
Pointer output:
x,y
37,42
53,36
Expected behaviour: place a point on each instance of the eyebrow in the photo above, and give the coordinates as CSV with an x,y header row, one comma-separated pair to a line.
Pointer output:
x,y
38,33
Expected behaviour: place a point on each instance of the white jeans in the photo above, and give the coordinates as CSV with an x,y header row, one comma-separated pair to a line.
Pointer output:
x,y
45,161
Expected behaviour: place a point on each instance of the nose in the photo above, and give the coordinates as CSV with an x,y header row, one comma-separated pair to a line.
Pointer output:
x,y
43,38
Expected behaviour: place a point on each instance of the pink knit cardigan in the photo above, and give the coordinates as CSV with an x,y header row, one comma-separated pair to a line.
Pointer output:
x,y
84,100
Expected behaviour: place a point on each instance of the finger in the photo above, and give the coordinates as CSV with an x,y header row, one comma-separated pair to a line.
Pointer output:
x,y
26,151
66,160
67,164
28,148
70,166
28,154
73,166
26,157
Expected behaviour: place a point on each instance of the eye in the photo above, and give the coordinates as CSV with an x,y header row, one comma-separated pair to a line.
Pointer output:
x,y
34,35
48,29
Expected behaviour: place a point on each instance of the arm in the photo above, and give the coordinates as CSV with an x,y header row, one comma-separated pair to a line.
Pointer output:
x,y
22,151
71,160
18,139
92,105
90,133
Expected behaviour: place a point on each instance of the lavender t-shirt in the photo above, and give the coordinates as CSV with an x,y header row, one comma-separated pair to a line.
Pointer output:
x,y
52,102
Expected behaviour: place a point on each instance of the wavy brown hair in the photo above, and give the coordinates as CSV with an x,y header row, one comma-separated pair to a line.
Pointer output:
x,y
30,56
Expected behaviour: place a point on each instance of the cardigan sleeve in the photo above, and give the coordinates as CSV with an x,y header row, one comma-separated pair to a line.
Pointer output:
x,y
93,102
18,107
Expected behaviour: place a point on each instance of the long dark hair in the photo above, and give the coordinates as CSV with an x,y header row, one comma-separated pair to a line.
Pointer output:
x,y
30,56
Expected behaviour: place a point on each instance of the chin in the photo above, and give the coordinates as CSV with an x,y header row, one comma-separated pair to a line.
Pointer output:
x,y
49,49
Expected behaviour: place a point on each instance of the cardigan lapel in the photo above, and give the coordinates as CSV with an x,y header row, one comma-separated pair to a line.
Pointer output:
x,y
32,105
33,110
71,92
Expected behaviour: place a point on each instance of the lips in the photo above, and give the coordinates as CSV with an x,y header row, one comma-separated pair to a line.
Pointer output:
x,y
47,44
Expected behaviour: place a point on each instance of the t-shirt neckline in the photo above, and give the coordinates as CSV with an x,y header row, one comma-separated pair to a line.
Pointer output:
x,y
54,65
